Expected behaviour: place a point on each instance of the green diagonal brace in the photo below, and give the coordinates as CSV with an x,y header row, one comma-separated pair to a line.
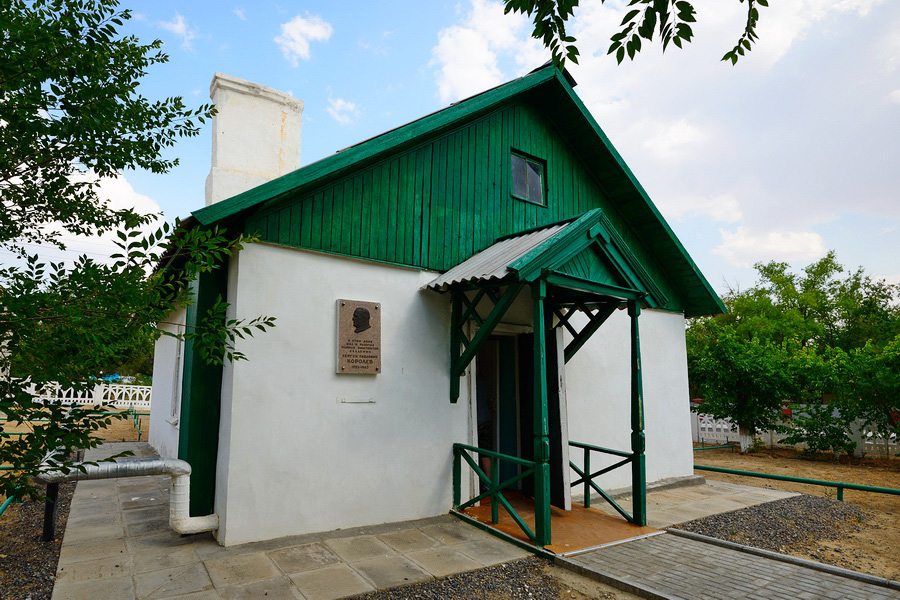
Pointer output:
x,y
471,307
585,334
604,495
458,365
494,490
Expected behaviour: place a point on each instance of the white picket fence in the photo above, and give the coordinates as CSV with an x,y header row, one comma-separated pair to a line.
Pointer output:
x,y
122,396
710,430
875,443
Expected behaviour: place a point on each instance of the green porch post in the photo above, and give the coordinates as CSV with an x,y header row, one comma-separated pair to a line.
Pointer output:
x,y
541,420
638,465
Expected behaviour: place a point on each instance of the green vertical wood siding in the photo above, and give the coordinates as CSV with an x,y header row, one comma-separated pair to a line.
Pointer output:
x,y
587,264
435,205
198,436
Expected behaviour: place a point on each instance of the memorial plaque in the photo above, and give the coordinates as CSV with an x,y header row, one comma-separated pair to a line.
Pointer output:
x,y
359,337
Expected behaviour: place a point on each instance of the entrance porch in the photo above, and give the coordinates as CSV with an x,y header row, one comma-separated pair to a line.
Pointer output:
x,y
578,530
579,267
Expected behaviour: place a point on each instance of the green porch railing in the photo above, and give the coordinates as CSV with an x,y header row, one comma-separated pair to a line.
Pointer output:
x,y
840,485
587,478
493,484
702,447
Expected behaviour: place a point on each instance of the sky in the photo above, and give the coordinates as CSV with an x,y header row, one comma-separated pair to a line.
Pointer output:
x,y
793,152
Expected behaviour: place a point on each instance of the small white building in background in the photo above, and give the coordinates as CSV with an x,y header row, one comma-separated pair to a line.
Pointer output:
x,y
406,274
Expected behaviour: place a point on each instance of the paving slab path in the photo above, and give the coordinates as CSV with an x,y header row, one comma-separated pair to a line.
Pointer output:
x,y
669,567
118,545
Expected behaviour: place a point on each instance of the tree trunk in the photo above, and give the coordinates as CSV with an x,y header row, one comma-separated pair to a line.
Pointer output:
x,y
745,437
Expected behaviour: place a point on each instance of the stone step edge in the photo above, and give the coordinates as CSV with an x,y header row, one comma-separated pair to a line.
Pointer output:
x,y
801,562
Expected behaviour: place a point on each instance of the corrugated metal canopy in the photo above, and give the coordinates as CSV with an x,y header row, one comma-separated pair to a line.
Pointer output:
x,y
492,263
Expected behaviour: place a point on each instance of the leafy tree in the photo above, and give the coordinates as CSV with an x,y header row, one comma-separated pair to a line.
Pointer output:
x,y
822,429
817,337
70,113
737,378
670,20
872,386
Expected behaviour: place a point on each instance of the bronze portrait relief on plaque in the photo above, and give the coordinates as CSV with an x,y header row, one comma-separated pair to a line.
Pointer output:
x,y
359,337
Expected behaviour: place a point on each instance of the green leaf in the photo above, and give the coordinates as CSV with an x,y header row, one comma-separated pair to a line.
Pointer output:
x,y
629,16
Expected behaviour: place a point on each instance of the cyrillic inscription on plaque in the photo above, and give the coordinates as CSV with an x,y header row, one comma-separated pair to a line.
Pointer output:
x,y
359,337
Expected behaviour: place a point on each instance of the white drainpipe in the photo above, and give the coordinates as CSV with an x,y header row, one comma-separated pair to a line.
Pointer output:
x,y
179,501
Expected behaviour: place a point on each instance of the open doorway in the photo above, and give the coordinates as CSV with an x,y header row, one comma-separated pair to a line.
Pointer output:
x,y
505,410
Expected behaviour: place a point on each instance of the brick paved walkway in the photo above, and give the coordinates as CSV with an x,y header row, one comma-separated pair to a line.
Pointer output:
x,y
684,569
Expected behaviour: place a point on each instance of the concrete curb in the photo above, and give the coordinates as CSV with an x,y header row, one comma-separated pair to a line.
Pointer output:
x,y
625,586
800,562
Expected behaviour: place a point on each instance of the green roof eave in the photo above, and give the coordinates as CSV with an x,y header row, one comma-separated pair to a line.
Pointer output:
x,y
374,148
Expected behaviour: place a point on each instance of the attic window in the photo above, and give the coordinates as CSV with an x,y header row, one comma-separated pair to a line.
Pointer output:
x,y
527,178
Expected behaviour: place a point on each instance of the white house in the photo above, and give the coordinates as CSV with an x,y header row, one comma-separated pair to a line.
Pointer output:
x,y
407,274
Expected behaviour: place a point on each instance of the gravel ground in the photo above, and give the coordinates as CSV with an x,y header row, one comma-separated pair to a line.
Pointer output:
x,y
783,525
523,579
28,565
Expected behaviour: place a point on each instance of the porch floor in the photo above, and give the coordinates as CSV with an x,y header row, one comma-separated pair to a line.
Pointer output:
x,y
572,530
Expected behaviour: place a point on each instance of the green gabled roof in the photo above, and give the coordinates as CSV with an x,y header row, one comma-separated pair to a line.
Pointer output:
x,y
551,92
374,148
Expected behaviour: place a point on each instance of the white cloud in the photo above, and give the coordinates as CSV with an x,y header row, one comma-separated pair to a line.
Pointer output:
x,y
724,208
891,279
674,141
469,55
742,247
380,46
895,96
468,65
178,25
297,33
342,111
239,13
783,24
888,50
119,194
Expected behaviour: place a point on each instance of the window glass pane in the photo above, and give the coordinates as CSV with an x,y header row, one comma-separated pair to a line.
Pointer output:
x,y
520,184
535,182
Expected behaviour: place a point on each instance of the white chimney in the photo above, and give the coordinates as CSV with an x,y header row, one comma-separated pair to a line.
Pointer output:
x,y
256,136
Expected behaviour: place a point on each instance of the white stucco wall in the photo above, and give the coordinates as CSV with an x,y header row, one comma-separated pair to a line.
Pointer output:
x,y
294,459
167,365
599,396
